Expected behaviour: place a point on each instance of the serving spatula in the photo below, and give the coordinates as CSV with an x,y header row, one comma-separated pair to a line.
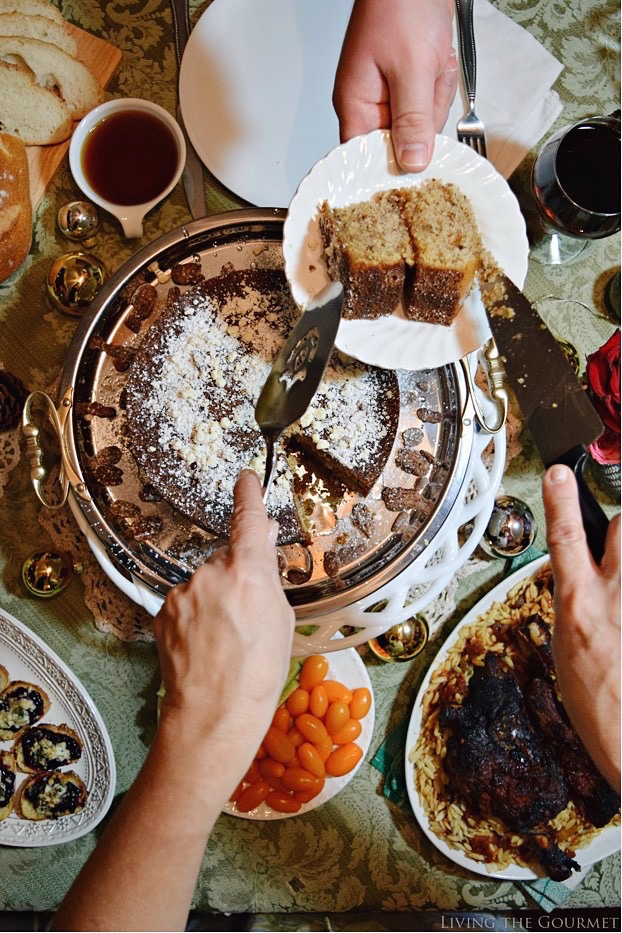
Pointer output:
x,y
297,372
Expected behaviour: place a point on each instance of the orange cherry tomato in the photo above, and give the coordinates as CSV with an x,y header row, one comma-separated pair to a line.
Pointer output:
x,y
283,802
297,779
278,746
311,759
304,796
348,733
252,796
361,703
253,774
261,753
325,747
313,672
269,768
343,759
236,793
281,719
297,702
311,727
295,737
318,701
335,690
337,716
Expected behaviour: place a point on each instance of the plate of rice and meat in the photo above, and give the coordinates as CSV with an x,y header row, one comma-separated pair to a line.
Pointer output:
x,y
497,777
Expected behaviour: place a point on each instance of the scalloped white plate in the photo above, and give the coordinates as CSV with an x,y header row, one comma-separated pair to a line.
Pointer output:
x,y
354,172
608,840
346,667
27,657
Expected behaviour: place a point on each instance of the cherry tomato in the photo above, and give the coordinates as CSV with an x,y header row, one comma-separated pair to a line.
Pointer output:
x,y
313,672
269,768
297,779
311,759
281,719
335,690
318,701
311,727
253,774
343,759
361,703
297,702
304,796
283,802
336,717
252,796
348,733
278,746
295,737
325,747
236,793
261,753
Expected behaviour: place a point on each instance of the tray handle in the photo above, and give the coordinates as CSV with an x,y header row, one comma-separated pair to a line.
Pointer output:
x,y
495,375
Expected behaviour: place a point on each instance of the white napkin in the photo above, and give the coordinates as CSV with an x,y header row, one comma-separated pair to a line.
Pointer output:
x,y
513,94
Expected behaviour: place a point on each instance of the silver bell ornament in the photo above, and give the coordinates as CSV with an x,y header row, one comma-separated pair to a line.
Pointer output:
x,y
47,573
78,221
73,281
511,528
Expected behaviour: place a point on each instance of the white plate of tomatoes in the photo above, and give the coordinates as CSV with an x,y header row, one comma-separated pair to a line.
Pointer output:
x,y
318,740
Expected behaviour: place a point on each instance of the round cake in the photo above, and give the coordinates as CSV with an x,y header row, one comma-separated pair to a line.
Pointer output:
x,y
191,395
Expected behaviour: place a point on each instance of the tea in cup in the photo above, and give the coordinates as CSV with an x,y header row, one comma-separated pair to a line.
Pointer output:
x,y
126,155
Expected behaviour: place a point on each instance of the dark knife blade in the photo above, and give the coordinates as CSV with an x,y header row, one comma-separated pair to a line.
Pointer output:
x,y
558,413
192,176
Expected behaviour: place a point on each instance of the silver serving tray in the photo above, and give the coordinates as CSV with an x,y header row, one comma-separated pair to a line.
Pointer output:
x,y
433,403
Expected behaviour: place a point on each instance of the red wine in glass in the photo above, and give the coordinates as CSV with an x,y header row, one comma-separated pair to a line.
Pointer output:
x,y
576,185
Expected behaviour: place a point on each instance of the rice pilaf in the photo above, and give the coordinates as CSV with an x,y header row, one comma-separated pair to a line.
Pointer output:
x,y
486,840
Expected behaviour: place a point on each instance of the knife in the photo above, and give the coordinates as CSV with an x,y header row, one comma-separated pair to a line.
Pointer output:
x,y
192,175
297,371
558,412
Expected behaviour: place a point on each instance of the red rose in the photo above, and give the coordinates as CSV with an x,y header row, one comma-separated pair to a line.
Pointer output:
x,y
602,375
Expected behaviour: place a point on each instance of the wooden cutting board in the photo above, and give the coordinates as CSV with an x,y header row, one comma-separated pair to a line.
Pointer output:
x,y
103,60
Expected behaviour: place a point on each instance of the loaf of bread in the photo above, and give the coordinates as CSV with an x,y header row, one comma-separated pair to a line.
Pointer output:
x,y
367,248
15,207
38,27
32,8
50,795
7,783
46,747
21,705
55,70
33,113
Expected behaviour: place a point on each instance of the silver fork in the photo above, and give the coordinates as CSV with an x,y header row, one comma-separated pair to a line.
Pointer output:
x,y
470,128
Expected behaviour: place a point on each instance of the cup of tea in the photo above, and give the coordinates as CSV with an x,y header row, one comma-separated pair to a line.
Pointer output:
x,y
126,155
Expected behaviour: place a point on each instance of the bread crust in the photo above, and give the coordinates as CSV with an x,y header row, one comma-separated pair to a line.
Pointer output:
x,y
15,206
49,795
14,23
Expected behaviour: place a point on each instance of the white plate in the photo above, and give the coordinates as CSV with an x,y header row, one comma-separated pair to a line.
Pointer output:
x,y
28,658
346,667
606,843
255,90
354,172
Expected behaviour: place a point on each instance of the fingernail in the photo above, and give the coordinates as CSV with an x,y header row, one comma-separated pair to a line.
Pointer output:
x,y
558,473
414,157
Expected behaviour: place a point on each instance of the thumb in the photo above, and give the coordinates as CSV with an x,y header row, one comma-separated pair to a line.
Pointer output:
x,y
250,525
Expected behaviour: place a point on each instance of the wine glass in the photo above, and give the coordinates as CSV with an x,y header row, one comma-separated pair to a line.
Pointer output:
x,y
575,182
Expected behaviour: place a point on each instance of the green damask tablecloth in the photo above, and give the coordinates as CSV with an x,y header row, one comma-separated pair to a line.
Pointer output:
x,y
358,852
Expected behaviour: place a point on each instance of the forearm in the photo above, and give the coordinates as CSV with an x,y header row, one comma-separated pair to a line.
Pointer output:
x,y
143,872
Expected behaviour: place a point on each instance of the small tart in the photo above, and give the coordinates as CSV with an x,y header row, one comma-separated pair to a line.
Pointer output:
x,y
50,795
21,705
46,747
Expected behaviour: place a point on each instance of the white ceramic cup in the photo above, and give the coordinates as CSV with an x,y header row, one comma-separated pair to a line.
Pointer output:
x,y
130,216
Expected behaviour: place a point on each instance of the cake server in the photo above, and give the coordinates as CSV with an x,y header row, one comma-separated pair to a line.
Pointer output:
x,y
192,176
297,372
558,412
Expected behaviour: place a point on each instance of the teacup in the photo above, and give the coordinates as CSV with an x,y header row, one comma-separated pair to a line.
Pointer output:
x,y
126,155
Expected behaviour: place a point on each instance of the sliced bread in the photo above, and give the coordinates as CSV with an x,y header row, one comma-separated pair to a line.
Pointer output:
x,y
38,27
46,747
32,8
55,70
30,111
15,208
50,795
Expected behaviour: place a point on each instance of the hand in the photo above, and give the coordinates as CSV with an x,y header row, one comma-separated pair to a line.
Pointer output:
x,y
224,638
586,636
397,70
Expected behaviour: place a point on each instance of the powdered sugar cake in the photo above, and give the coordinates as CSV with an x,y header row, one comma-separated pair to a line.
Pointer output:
x,y
191,395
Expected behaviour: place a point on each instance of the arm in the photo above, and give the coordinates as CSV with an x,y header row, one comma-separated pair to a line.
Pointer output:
x,y
224,641
397,70
586,637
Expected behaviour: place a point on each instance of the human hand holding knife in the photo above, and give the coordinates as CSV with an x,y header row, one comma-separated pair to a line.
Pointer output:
x,y
192,176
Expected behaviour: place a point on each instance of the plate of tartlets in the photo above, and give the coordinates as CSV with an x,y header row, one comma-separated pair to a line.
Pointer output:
x,y
57,767
356,172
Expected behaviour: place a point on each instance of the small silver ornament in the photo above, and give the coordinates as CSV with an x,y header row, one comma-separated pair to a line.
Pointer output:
x,y
73,281
79,221
511,528
401,642
46,573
